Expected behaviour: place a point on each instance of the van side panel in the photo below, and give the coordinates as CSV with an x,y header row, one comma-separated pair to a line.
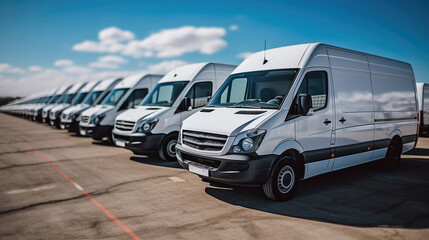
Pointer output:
x,y
394,102
354,123
425,102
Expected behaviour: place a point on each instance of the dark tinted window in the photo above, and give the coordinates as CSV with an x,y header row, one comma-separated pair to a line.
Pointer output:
x,y
200,94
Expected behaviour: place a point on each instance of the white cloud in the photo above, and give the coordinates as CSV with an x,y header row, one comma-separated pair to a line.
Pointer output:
x,y
63,63
114,35
166,43
7,68
102,47
110,41
103,65
178,41
165,66
244,55
109,61
76,69
113,59
233,28
35,68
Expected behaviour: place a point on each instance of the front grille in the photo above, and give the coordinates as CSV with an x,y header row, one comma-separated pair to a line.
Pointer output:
x,y
203,161
124,125
85,119
204,141
123,138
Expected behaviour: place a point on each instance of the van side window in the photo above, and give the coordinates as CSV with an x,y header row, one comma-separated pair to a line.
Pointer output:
x,y
315,84
200,93
135,98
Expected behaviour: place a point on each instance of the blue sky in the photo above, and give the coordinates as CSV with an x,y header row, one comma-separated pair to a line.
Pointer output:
x,y
39,33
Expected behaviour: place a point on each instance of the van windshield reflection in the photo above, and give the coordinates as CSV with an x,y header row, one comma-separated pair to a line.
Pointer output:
x,y
164,94
262,89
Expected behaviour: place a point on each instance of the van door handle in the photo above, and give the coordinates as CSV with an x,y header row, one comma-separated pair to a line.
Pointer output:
x,y
327,122
342,120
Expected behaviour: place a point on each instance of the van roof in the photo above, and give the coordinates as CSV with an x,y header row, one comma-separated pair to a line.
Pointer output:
x,y
104,84
294,56
130,81
278,58
75,87
88,87
183,73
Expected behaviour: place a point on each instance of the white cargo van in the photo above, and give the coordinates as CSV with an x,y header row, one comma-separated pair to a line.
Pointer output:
x,y
71,116
423,100
58,98
153,126
36,110
302,111
55,112
97,121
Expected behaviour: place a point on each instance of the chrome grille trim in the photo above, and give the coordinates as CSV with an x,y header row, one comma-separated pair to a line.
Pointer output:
x,y
204,141
122,125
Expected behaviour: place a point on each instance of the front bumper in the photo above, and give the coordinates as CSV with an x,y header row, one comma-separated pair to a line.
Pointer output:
x,y
139,143
97,132
232,168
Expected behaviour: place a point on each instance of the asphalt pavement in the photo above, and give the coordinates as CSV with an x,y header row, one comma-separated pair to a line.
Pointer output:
x,y
56,185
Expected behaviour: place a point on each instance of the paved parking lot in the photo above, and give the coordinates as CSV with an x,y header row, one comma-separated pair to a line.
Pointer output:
x,y
55,185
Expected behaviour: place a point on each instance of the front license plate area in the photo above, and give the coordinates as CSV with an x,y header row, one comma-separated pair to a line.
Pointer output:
x,y
200,170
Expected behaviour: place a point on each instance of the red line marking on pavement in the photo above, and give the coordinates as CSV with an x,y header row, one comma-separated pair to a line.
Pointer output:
x,y
101,207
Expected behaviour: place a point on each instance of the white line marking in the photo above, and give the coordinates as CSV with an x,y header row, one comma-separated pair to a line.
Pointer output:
x,y
78,186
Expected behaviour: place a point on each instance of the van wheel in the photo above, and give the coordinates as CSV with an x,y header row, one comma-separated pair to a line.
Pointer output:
x,y
393,155
283,181
167,152
110,138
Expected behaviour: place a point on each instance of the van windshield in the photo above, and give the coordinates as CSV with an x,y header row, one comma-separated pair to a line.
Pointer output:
x,y
79,98
115,96
90,99
164,94
262,89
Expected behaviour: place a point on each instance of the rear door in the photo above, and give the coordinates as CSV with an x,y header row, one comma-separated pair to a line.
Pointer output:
x,y
354,115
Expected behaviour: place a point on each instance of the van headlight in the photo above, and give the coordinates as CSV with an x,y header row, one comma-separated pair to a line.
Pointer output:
x,y
146,125
96,119
248,141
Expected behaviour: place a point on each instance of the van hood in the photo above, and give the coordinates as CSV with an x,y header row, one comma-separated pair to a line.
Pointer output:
x,y
141,112
97,110
75,108
226,121
60,107
49,107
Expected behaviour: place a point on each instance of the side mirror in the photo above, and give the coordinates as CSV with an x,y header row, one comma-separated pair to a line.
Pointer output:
x,y
305,105
188,104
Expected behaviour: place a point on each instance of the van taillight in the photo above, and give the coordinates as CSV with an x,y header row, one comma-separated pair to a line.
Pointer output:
x,y
421,118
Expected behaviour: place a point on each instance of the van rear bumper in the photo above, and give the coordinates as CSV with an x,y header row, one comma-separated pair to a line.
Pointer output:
x,y
236,169
141,144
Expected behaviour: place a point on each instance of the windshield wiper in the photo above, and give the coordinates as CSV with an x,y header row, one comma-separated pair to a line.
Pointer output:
x,y
243,106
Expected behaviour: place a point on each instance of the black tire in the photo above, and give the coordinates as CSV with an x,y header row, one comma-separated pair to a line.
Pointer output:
x,y
393,155
110,138
167,152
283,181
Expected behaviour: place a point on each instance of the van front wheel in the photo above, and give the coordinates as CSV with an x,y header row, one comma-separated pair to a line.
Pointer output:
x,y
168,148
283,181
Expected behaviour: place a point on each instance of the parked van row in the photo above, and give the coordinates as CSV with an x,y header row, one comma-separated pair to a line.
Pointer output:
x,y
281,116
